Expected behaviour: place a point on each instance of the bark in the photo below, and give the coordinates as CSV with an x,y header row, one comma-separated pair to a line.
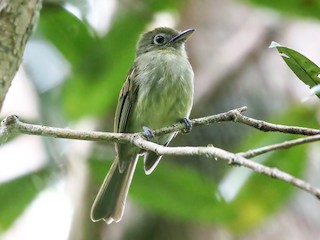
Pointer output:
x,y
17,21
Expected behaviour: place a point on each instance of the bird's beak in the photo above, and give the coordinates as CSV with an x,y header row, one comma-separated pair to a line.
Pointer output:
x,y
182,36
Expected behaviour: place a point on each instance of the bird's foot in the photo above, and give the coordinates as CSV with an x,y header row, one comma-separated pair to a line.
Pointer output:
x,y
148,133
188,124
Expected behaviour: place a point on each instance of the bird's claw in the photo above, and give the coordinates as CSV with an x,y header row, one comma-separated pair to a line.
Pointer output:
x,y
188,124
148,132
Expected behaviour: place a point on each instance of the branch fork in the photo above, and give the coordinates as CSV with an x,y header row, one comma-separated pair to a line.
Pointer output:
x,y
12,125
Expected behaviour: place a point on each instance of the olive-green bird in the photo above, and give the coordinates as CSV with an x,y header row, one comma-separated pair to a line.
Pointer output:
x,y
158,92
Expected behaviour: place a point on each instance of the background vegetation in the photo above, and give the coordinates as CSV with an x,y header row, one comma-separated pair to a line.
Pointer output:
x,y
73,69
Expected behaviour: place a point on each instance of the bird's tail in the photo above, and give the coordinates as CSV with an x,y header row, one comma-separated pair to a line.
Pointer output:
x,y
110,201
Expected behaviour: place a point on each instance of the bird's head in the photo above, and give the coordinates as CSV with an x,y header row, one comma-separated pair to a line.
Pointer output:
x,y
163,38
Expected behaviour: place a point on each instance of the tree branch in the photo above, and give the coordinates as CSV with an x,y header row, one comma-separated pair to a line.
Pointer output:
x,y
270,127
12,125
233,159
287,144
17,20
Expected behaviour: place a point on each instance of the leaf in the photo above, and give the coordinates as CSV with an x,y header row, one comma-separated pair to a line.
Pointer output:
x,y
307,71
68,34
17,194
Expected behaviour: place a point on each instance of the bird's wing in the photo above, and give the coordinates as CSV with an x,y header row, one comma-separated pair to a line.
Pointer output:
x,y
126,103
127,99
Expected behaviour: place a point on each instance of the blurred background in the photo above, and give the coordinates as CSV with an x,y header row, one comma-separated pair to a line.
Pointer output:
x,y
72,71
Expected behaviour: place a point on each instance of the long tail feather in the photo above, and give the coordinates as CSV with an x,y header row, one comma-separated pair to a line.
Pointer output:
x,y
110,201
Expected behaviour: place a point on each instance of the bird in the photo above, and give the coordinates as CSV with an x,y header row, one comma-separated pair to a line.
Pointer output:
x,y
157,92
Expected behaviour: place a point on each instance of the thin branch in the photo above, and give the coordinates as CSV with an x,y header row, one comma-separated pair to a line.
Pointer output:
x,y
12,125
284,145
270,127
221,117
233,159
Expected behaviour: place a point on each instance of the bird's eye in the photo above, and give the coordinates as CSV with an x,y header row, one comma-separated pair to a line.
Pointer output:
x,y
159,39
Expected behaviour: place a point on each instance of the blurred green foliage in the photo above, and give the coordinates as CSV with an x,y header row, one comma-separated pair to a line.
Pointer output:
x,y
179,192
306,8
17,194
261,196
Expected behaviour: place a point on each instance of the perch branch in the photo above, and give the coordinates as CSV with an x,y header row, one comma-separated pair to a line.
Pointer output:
x,y
271,127
12,125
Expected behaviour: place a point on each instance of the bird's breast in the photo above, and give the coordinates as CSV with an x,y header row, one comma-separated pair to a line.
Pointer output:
x,y
165,90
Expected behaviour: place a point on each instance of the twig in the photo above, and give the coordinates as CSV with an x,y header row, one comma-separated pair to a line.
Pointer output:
x,y
12,125
287,144
270,127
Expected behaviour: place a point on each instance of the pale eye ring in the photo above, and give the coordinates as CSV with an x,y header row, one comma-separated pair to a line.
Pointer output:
x,y
159,39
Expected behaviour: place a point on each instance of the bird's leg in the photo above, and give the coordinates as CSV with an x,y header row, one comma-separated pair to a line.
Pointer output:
x,y
188,124
148,132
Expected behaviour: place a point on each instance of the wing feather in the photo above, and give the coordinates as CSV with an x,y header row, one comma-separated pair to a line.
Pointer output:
x,y
126,103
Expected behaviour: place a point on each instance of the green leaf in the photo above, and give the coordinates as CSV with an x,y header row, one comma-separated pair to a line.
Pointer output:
x,y
66,32
17,194
306,70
